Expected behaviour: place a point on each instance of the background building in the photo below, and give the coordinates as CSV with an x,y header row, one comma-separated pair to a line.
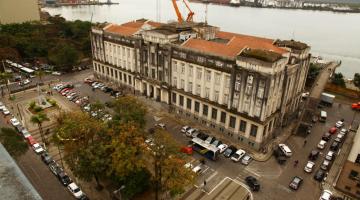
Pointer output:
x,y
349,179
242,86
19,11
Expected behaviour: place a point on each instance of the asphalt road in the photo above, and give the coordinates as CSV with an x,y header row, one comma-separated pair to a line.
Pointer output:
x,y
40,176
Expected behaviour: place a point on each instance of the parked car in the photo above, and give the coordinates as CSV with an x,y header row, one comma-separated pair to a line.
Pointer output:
x,y
190,132
321,144
326,195
326,136
236,157
333,130
309,166
197,169
325,165
46,158
320,175
25,133
64,178
355,106
5,111
75,190
222,147
54,168
37,148
202,135
56,73
252,183
31,141
340,124
330,155
185,128
335,146
230,151
296,183
246,159
314,154
14,121
339,138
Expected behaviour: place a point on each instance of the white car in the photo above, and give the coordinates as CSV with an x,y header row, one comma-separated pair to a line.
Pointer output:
x,y
26,81
330,155
339,124
238,155
197,169
222,147
309,166
56,73
305,94
75,190
185,128
37,148
246,160
321,144
343,131
25,133
325,195
190,132
6,111
14,121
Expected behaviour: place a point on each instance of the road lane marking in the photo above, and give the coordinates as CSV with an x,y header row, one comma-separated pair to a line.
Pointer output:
x,y
252,172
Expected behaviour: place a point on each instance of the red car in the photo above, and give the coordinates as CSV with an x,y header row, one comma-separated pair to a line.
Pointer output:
x,y
187,150
333,130
356,106
31,140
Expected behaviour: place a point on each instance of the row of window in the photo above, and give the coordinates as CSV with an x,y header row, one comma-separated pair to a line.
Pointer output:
x,y
214,114
113,73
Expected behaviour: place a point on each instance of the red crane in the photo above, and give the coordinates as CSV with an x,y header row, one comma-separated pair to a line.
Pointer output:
x,y
178,14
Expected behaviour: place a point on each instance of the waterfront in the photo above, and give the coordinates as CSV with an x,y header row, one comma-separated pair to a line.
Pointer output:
x,y
331,35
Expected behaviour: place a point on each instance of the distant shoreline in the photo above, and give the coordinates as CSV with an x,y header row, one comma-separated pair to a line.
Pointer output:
x,y
287,8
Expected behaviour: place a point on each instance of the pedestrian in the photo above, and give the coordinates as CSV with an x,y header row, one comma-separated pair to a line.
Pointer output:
x,y
296,163
305,141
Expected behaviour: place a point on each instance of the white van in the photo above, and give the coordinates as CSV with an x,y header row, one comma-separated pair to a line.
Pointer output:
x,y
323,116
285,149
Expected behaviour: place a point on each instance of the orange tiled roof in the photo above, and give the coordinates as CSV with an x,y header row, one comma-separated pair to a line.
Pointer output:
x,y
236,43
130,28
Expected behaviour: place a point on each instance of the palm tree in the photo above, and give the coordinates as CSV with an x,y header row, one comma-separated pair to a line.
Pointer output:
x,y
4,78
40,74
39,119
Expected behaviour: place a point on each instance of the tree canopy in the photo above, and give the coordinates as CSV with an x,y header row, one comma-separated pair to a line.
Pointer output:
x,y
61,42
338,79
13,142
357,80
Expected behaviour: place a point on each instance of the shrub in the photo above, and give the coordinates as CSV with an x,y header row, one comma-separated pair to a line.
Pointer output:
x,y
32,105
38,109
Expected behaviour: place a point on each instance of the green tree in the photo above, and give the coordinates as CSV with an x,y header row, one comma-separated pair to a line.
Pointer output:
x,y
39,119
4,79
13,142
357,80
338,79
170,178
64,56
85,144
129,109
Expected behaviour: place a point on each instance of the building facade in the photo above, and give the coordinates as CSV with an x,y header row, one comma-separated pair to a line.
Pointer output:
x,y
19,11
240,85
349,179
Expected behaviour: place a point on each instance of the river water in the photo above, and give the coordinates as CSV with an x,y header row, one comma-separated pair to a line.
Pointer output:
x,y
334,36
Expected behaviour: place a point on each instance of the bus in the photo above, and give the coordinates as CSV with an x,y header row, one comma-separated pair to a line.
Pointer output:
x,y
207,150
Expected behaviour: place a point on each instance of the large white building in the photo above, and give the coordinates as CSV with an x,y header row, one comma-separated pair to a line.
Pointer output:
x,y
240,85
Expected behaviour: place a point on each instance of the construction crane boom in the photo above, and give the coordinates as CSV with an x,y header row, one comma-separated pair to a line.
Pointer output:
x,y
178,14
190,14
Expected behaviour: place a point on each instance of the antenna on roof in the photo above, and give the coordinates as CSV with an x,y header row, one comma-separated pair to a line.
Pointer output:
x,y
206,11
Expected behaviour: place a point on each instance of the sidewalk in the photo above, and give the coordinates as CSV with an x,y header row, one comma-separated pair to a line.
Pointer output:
x,y
333,175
